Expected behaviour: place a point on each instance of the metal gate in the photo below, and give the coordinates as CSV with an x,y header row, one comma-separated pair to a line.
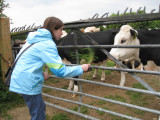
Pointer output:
x,y
106,21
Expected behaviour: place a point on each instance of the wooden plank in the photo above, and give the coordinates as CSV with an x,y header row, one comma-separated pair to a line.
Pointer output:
x,y
5,45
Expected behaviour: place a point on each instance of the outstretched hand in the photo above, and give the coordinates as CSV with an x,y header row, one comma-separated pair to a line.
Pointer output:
x,y
85,67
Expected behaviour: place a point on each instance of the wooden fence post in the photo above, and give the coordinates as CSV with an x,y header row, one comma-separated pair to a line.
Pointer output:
x,y
5,45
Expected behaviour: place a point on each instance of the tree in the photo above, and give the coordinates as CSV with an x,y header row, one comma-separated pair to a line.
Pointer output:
x,y
3,5
155,24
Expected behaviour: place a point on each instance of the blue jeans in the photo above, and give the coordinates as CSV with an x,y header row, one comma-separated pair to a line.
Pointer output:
x,y
36,106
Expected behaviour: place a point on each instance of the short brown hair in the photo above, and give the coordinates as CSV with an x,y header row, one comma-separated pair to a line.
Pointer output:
x,y
52,23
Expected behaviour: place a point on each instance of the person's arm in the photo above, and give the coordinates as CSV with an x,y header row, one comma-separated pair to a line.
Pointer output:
x,y
51,58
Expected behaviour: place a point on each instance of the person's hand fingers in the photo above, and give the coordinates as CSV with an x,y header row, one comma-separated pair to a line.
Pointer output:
x,y
46,75
85,67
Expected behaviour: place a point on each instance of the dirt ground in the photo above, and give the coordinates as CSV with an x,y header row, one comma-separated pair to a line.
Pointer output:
x,y
148,101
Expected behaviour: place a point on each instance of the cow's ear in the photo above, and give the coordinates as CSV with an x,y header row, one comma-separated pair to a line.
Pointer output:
x,y
133,33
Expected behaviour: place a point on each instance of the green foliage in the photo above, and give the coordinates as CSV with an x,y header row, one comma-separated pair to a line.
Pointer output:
x,y
87,54
3,5
68,30
136,25
7,116
8,99
19,37
60,117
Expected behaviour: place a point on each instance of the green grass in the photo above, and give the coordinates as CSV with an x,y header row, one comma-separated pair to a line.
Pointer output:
x,y
100,112
60,117
47,117
52,80
138,112
108,72
139,86
84,109
113,117
65,87
92,102
46,90
136,97
88,76
101,102
116,97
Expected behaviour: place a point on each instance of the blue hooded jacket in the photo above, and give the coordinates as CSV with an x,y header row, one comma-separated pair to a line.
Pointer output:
x,y
27,77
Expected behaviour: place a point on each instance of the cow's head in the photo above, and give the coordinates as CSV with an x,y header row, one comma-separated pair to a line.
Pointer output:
x,y
126,36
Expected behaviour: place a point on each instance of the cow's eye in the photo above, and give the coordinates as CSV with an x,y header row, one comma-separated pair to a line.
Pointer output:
x,y
123,41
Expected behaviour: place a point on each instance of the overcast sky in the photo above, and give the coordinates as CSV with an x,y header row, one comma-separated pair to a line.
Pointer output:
x,y
27,12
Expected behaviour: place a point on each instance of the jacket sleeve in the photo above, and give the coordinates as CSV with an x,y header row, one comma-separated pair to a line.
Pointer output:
x,y
51,58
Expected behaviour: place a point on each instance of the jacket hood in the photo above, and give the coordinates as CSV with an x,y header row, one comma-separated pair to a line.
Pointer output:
x,y
41,34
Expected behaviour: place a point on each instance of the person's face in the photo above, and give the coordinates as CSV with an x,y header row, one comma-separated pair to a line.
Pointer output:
x,y
58,33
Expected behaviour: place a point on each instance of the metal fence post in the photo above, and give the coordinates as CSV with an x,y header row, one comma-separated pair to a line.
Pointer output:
x,y
77,59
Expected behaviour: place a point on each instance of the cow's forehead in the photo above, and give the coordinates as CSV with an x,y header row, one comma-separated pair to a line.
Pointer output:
x,y
126,28
121,35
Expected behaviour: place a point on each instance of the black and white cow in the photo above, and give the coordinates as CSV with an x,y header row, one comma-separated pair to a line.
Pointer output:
x,y
127,36
149,37
102,38
94,29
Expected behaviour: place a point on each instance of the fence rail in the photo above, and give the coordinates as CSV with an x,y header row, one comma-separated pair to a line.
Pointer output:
x,y
71,111
93,107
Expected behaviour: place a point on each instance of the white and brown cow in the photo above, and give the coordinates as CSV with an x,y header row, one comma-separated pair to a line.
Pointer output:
x,y
91,29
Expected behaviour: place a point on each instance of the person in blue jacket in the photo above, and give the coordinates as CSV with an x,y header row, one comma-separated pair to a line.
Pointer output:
x,y
27,78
